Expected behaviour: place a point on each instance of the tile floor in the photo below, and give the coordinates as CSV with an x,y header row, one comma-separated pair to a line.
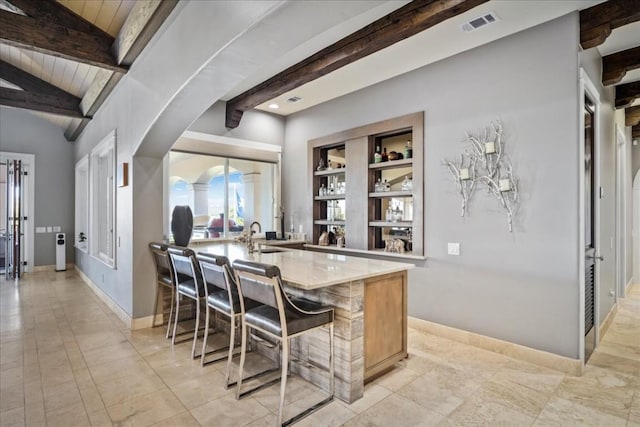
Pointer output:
x,y
66,360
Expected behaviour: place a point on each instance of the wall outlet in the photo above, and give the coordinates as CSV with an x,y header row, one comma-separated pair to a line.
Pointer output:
x,y
453,248
612,293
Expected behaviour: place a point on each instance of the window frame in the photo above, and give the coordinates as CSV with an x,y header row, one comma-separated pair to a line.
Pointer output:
x,y
106,148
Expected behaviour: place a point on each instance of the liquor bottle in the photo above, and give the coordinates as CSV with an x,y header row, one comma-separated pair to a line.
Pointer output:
x,y
408,150
385,156
377,157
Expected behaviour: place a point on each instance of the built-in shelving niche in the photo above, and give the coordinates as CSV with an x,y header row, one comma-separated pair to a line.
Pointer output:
x,y
362,213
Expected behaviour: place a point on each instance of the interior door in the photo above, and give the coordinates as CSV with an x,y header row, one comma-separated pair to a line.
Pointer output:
x,y
14,249
590,199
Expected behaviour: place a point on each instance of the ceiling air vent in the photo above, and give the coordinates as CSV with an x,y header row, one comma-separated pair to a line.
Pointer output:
x,y
294,99
480,22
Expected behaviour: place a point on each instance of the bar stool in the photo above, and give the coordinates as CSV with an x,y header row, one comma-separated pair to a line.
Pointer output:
x,y
189,284
281,318
164,277
222,296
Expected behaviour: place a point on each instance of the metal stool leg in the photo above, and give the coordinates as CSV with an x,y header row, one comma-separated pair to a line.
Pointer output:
x,y
173,297
206,335
175,319
232,342
195,332
243,352
283,379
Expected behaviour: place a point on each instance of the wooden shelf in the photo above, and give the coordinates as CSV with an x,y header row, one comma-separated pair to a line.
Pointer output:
x,y
399,224
332,197
391,194
327,222
330,172
392,164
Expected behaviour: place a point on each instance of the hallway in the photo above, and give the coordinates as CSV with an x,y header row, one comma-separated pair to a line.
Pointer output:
x,y
67,360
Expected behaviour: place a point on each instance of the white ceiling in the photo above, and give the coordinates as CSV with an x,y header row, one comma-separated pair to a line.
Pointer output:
x,y
440,42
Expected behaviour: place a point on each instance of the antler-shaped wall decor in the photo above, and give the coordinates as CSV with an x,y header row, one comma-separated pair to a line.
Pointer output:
x,y
484,162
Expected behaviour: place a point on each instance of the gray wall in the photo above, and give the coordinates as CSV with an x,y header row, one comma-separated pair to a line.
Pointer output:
x,y
24,132
522,286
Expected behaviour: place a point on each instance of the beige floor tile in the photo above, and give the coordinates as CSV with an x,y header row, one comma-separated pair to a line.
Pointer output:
x,y
227,411
34,414
61,396
602,359
442,390
194,392
122,389
484,410
373,393
397,378
332,415
68,416
12,418
600,389
146,409
183,419
100,418
11,397
634,412
395,410
564,413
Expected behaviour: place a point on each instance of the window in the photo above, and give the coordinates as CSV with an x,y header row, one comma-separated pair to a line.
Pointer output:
x,y
82,205
102,172
225,194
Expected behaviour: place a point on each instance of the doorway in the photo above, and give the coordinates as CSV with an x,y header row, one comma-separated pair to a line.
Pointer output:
x,y
590,219
16,210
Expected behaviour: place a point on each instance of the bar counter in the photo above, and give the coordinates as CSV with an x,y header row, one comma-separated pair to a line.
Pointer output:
x,y
370,302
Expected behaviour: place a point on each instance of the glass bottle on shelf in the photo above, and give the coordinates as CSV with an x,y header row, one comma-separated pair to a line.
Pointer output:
x,y
378,186
322,191
330,191
385,156
408,150
377,157
405,184
386,186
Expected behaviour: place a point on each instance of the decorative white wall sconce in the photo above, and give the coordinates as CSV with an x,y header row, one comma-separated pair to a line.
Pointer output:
x,y
484,162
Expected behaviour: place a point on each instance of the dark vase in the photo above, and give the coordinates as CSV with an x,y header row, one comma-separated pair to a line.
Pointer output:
x,y
181,225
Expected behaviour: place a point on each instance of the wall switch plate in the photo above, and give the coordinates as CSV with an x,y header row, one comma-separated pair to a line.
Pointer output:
x,y
56,229
453,248
49,229
41,229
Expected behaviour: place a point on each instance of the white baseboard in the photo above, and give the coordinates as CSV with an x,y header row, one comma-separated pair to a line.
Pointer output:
x,y
604,327
516,351
40,268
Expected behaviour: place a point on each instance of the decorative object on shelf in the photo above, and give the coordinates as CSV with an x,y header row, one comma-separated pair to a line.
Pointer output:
x,y
246,237
377,157
393,155
408,150
484,162
407,184
181,225
340,242
322,191
324,239
385,156
321,165
394,245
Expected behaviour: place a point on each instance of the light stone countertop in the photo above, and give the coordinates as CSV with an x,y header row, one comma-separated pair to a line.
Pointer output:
x,y
308,269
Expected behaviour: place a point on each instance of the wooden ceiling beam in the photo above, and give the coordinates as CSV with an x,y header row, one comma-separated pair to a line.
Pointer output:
x,y
616,65
28,82
91,47
635,132
66,106
597,22
632,116
400,24
627,93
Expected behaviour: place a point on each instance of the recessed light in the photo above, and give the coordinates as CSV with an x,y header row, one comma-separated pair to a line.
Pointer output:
x,y
274,106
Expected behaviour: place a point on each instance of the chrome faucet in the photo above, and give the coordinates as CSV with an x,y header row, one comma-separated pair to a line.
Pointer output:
x,y
255,223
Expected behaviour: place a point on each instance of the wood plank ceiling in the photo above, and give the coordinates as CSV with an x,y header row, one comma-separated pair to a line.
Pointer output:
x,y
597,23
61,59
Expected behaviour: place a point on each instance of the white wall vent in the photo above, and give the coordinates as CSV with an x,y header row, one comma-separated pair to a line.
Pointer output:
x,y
479,22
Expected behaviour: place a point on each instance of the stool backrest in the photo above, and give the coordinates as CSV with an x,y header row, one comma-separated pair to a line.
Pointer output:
x,y
164,268
216,272
185,266
259,282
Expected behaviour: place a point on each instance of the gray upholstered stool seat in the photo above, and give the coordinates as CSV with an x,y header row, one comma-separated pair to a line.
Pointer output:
x,y
268,318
